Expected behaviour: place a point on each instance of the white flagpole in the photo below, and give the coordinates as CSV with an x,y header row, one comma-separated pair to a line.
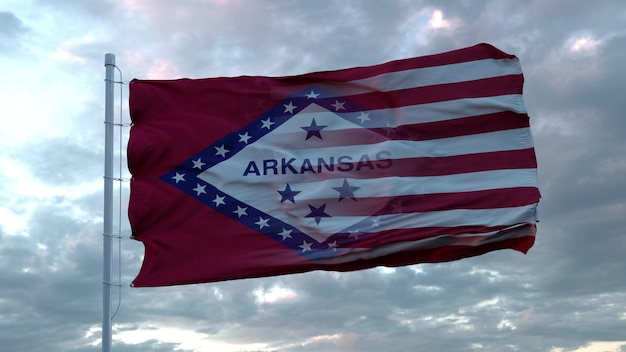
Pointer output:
x,y
109,63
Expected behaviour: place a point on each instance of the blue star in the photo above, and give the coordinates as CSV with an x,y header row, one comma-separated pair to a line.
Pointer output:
x,y
317,213
346,191
313,130
288,194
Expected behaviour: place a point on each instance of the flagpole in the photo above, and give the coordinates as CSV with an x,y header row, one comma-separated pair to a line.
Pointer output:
x,y
109,63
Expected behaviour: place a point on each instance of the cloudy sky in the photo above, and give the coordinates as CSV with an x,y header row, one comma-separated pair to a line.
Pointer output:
x,y
567,294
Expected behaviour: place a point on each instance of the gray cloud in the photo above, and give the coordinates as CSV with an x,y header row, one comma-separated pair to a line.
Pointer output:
x,y
12,31
10,25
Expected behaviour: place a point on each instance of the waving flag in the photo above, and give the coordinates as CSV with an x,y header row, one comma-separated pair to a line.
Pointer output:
x,y
427,159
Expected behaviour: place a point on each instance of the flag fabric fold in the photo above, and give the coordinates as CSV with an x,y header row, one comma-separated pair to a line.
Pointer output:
x,y
427,159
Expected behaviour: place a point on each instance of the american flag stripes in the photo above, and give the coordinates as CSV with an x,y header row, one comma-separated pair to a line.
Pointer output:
x,y
426,159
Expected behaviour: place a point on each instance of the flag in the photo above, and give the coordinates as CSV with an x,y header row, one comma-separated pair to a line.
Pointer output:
x,y
426,159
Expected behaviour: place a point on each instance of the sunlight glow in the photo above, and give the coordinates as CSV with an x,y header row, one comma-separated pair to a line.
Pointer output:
x,y
13,223
506,324
427,288
487,303
163,69
66,51
492,275
321,338
583,44
596,346
385,270
438,21
276,294
186,340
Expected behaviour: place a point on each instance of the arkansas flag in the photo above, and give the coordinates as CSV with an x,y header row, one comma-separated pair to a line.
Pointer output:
x,y
428,159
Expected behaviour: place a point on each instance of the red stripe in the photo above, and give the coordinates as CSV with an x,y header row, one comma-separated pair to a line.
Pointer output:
x,y
502,85
500,121
372,240
477,52
484,199
381,238
450,165
410,167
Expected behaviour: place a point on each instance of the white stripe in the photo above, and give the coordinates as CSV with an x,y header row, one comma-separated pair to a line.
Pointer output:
x,y
448,218
407,186
461,72
421,77
514,139
408,115
457,217
448,110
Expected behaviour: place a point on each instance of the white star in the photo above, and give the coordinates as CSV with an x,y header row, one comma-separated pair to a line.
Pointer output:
x,y
389,128
289,108
285,233
241,211
355,234
244,137
376,221
221,151
179,177
306,246
332,245
397,207
218,200
262,222
199,189
198,164
267,123
338,105
365,116
312,95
